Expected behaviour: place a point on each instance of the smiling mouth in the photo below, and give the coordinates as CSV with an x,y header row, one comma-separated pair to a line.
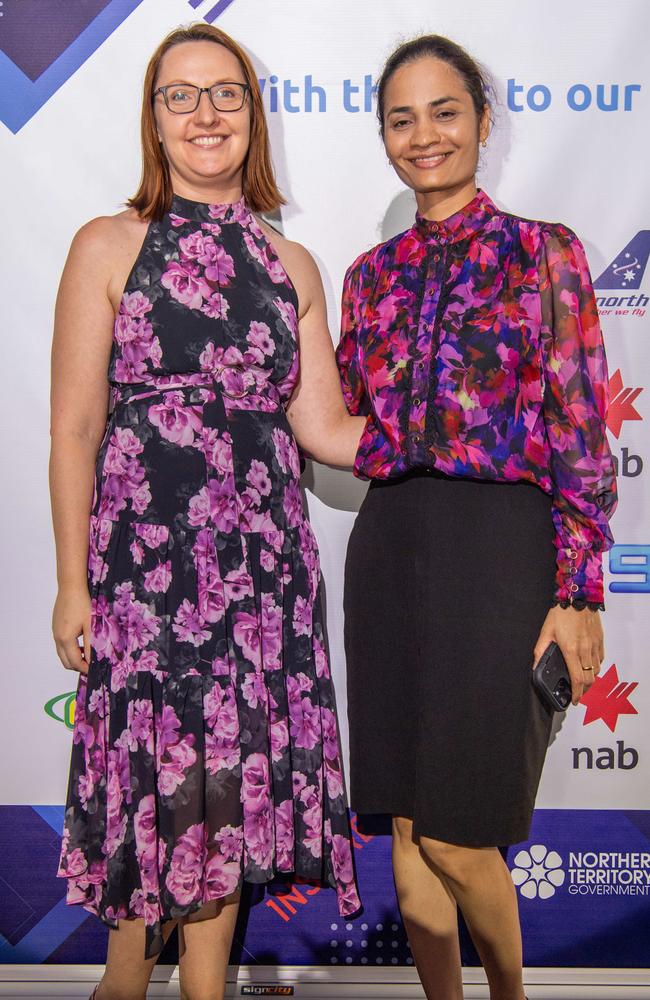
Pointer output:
x,y
208,141
426,162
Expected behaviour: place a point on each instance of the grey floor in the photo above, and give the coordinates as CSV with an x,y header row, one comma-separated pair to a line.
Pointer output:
x,y
76,983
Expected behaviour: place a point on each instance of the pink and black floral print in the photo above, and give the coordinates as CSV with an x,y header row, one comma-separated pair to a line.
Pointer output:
x,y
206,746
473,346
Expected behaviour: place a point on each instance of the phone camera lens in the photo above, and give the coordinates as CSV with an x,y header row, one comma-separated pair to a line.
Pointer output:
x,y
563,692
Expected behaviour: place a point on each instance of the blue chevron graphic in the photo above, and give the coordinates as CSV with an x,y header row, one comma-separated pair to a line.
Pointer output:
x,y
36,946
627,269
58,922
43,43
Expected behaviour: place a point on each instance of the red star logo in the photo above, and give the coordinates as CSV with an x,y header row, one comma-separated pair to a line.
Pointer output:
x,y
607,698
621,404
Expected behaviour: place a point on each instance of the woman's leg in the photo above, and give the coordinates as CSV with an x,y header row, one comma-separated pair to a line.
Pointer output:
x,y
127,973
205,939
479,881
429,914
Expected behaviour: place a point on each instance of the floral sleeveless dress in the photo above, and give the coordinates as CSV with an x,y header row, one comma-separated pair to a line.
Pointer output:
x,y
206,747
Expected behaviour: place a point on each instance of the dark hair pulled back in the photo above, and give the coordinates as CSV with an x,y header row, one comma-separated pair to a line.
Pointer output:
x,y
436,47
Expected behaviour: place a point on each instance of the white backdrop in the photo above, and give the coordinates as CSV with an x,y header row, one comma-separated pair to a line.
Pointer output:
x,y
78,157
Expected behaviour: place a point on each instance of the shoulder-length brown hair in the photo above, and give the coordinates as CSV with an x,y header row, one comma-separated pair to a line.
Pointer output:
x,y
154,196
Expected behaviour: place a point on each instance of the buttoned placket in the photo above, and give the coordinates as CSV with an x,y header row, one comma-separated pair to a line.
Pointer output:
x,y
423,364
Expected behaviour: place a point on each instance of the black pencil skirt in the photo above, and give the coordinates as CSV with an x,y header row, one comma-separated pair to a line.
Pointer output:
x,y
447,584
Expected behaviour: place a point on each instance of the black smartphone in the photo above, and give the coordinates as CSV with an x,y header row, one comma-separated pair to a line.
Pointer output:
x,y
551,679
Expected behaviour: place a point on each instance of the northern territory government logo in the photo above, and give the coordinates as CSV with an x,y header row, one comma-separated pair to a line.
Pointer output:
x,y
618,288
540,872
44,42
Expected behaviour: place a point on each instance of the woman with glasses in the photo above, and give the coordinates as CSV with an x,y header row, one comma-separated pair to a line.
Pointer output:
x,y
206,748
471,342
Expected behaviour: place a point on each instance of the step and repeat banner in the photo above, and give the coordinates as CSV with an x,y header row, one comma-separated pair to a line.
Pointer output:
x,y
570,143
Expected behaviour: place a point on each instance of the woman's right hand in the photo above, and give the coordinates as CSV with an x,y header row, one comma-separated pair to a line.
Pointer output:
x,y
71,619
81,348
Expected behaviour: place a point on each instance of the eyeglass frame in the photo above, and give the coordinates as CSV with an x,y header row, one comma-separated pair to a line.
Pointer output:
x,y
204,90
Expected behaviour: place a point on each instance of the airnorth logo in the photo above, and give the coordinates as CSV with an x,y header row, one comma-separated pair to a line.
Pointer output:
x,y
621,404
625,274
44,42
61,708
608,698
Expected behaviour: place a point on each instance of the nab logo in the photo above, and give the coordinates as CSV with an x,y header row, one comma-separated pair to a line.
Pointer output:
x,y
621,408
621,404
608,698
625,273
44,42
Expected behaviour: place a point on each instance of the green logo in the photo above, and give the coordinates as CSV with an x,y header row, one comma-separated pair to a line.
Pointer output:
x,y
61,708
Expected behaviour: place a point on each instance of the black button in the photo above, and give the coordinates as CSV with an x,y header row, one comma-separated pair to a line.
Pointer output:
x,y
417,400
417,438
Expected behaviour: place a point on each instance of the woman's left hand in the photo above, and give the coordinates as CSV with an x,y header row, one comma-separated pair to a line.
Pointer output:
x,y
579,634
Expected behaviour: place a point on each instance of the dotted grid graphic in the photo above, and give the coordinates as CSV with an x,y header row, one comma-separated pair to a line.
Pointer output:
x,y
369,944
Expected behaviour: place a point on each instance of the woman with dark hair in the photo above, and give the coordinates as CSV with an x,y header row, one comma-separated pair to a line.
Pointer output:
x,y
206,747
471,343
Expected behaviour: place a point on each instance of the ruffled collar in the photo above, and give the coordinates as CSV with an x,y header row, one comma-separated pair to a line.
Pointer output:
x,y
459,226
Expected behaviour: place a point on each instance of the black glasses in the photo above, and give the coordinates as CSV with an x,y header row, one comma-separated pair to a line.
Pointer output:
x,y
183,98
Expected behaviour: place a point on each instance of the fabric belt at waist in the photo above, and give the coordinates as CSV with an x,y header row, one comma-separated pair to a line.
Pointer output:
x,y
235,382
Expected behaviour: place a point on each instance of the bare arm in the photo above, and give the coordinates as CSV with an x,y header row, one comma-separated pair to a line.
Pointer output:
x,y
79,401
316,412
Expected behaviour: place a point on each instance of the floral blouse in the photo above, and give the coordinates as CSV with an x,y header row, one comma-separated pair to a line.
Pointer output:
x,y
473,346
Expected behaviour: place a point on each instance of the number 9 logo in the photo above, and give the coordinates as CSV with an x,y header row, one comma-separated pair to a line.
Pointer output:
x,y
630,560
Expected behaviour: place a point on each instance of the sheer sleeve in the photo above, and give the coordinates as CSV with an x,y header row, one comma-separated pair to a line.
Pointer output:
x,y
347,354
575,410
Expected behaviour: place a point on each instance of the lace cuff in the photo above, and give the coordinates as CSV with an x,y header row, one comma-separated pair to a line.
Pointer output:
x,y
579,604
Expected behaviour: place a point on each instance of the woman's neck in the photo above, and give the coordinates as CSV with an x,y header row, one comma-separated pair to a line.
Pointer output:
x,y
210,193
439,205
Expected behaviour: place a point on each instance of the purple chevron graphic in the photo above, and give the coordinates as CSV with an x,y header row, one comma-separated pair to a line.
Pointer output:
x,y
215,11
33,41
627,269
